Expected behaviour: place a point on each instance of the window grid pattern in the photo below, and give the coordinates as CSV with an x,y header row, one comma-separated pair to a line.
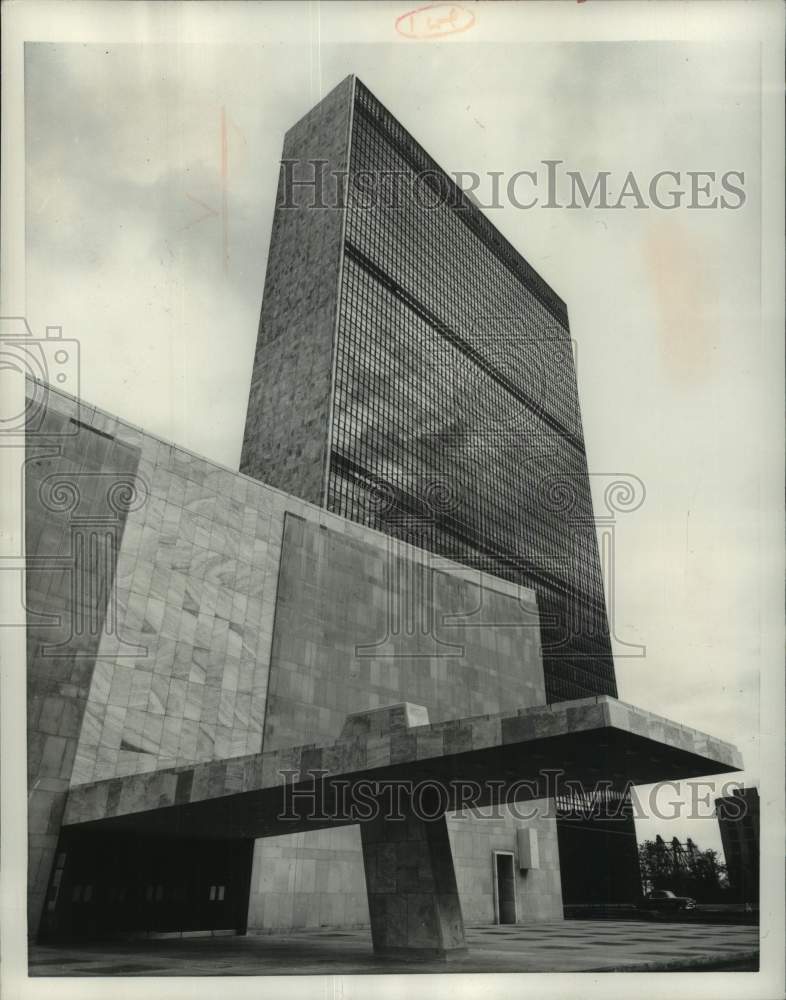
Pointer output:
x,y
456,422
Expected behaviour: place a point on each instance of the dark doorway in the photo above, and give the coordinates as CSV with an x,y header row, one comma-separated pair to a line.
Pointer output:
x,y
104,885
598,855
505,882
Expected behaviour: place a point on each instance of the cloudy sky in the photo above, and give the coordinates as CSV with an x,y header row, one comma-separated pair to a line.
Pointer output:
x,y
151,173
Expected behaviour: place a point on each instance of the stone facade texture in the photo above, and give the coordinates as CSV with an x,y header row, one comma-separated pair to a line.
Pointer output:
x,y
286,435
473,841
413,898
312,879
346,639
184,678
220,648
79,485
364,622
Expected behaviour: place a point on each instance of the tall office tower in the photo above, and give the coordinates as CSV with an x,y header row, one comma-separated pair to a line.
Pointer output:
x,y
415,374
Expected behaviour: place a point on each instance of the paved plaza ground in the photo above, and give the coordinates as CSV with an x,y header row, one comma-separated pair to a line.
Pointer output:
x,y
569,946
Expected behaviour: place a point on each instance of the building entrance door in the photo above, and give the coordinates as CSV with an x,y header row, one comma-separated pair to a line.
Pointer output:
x,y
505,887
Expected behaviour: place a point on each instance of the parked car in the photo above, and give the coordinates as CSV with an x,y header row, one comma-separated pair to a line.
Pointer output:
x,y
665,901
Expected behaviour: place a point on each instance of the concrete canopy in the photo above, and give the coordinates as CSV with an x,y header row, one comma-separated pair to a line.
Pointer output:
x,y
512,756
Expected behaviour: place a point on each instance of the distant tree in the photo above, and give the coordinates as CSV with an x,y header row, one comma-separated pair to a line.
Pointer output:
x,y
655,865
683,868
707,872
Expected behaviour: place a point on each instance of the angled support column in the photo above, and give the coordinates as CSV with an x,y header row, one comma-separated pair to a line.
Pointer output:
x,y
413,899
411,883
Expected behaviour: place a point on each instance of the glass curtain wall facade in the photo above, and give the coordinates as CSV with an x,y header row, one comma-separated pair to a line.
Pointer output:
x,y
455,419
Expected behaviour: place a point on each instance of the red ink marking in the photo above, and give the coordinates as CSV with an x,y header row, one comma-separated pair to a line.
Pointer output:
x,y
224,135
208,212
434,21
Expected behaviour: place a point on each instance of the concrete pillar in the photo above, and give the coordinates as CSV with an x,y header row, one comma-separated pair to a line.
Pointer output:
x,y
411,883
413,898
